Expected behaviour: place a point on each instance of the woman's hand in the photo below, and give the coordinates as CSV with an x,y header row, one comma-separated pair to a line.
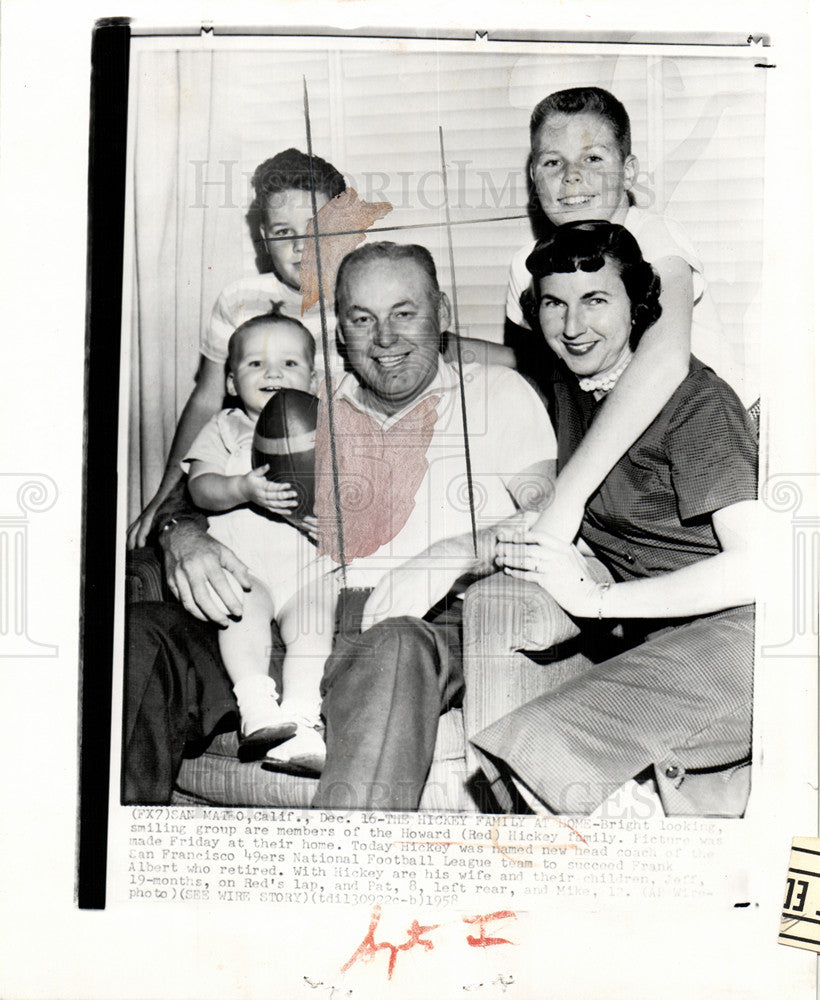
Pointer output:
x,y
278,498
555,565
204,575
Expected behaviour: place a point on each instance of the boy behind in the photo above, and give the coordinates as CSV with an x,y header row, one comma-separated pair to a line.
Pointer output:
x,y
582,168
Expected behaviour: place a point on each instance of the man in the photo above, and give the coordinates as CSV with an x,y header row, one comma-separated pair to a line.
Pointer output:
x,y
398,435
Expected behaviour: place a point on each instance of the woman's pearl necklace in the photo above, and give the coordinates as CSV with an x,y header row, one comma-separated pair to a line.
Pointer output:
x,y
604,383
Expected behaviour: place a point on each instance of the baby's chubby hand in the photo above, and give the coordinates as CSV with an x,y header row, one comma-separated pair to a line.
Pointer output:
x,y
278,498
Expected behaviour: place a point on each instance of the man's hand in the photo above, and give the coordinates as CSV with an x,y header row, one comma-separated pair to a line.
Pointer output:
x,y
278,498
423,581
308,525
203,574
411,590
555,565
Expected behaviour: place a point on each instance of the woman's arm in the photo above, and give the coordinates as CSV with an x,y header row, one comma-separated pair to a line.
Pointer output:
x,y
202,404
660,364
725,580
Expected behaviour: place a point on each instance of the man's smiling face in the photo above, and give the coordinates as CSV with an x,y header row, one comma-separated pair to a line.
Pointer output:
x,y
390,321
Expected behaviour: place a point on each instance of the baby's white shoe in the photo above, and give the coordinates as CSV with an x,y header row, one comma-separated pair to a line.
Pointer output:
x,y
303,754
264,724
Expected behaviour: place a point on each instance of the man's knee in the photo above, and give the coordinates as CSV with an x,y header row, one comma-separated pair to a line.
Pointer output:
x,y
379,655
386,645
394,635
156,620
163,643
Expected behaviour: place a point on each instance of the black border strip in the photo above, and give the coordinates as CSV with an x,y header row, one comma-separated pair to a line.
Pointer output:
x,y
106,207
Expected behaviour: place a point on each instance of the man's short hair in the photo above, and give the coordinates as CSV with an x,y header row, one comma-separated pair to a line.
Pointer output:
x,y
576,101
389,252
291,169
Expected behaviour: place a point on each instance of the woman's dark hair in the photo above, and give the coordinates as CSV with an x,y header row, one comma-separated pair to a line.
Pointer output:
x,y
587,246
288,170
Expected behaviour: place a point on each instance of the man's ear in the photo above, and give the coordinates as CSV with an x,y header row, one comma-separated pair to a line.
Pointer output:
x,y
314,382
443,312
630,171
230,385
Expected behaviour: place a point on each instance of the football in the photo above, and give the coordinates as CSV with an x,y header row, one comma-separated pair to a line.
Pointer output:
x,y
284,440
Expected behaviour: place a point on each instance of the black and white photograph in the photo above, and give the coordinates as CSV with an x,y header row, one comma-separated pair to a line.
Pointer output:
x,y
446,548
486,452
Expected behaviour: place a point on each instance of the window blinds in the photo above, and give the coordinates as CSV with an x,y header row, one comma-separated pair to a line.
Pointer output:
x,y
698,132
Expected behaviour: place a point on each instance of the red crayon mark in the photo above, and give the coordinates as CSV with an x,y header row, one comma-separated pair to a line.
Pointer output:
x,y
348,217
369,946
483,941
380,472
572,828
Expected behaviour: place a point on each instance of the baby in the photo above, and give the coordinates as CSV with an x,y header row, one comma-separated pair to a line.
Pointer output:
x,y
266,354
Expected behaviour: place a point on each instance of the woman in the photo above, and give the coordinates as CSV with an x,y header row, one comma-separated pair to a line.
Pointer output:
x,y
673,524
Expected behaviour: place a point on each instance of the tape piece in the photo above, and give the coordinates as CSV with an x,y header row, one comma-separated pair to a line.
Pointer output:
x,y
800,917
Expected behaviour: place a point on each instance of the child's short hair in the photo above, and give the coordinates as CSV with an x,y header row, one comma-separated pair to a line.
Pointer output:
x,y
577,100
586,246
277,316
290,169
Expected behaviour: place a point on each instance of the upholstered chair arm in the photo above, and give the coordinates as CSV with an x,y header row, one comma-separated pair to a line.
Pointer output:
x,y
503,619
144,579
